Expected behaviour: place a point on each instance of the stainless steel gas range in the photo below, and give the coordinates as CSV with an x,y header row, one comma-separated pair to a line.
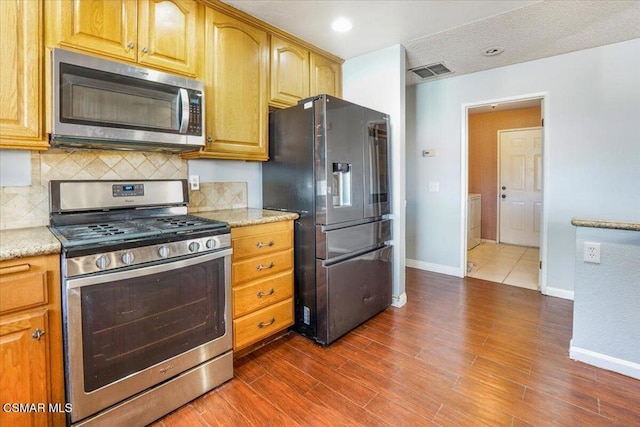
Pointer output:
x,y
145,299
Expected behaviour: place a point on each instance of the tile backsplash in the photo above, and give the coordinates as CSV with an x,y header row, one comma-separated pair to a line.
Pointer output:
x,y
29,206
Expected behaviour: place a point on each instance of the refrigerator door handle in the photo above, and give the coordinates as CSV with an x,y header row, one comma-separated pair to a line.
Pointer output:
x,y
351,255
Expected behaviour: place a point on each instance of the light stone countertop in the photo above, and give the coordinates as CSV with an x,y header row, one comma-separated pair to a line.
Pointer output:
x,y
596,223
25,242
247,216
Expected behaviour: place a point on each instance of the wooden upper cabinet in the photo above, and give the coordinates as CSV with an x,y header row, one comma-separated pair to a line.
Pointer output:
x,y
104,27
21,121
167,34
236,76
289,73
160,33
326,76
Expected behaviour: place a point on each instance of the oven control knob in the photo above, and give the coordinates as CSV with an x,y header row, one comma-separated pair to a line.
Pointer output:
x,y
127,258
163,251
211,244
102,262
194,246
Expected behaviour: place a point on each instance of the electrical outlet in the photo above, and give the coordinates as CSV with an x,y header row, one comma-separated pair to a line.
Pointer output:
x,y
592,252
194,181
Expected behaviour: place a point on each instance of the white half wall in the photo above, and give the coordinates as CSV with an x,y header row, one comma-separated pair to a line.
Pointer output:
x,y
592,144
232,171
606,309
377,80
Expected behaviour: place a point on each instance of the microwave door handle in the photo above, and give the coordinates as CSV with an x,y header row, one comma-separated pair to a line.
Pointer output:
x,y
184,103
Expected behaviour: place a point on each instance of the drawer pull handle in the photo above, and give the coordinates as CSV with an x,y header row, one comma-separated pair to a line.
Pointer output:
x,y
261,267
14,269
261,245
263,324
261,294
37,334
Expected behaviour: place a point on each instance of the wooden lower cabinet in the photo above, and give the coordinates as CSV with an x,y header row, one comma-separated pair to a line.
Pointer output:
x,y
262,277
31,370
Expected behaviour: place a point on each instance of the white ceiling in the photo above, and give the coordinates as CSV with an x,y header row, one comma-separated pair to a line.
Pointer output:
x,y
454,32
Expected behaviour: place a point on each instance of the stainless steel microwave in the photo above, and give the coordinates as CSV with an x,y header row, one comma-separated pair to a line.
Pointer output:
x,y
111,105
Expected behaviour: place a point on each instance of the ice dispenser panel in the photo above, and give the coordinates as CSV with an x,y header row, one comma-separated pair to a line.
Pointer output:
x,y
341,184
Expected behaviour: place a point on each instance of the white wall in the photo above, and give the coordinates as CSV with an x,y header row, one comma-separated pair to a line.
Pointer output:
x,y
592,149
377,80
232,171
606,310
15,168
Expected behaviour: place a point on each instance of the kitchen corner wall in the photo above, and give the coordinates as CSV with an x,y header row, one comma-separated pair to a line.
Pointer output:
x,y
591,144
28,206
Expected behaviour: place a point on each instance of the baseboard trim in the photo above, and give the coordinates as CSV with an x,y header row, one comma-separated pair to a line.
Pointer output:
x,y
603,361
399,300
558,293
435,268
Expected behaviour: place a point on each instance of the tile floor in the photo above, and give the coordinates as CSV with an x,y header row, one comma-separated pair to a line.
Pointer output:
x,y
508,264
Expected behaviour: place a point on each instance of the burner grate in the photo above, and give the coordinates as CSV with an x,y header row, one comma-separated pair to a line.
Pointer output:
x,y
108,231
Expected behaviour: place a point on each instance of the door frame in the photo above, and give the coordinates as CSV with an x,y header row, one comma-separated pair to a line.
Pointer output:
x,y
464,175
499,170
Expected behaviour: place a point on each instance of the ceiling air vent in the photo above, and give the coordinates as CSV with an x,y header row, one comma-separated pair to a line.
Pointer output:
x,y
430,71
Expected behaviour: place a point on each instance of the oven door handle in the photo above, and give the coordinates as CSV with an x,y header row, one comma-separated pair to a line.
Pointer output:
x,y
79,282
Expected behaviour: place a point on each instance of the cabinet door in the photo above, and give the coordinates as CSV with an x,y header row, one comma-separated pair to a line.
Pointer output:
x,y
23,367
326,76
20,75
167,34
289,73
106,27
236,75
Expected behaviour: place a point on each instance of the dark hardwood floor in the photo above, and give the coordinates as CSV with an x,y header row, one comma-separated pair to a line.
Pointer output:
x,y
461,352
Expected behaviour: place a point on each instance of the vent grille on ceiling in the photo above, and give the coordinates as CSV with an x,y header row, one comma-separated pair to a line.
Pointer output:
x,y
430,71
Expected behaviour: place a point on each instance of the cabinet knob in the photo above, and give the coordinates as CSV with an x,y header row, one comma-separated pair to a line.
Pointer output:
x,y
130,45
145,50
209,138
38,333
504,196
261,267
261,294
270,322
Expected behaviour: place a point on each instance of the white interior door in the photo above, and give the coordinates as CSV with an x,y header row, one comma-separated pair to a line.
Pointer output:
x,y
520,182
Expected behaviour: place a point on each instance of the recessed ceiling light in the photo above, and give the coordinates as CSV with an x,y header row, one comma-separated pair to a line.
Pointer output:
x,y
341,25
492,51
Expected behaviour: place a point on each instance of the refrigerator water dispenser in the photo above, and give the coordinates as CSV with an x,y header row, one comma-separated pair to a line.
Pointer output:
x,y
341,184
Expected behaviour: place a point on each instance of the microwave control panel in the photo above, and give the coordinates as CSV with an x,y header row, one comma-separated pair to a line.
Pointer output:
x,y
195,113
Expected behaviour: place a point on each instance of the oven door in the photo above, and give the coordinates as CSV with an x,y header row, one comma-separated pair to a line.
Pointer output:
x,y
130,330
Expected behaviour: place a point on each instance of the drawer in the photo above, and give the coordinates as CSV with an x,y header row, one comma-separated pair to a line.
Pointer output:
x,y
263,266
22,286
261,244
253,327
260,294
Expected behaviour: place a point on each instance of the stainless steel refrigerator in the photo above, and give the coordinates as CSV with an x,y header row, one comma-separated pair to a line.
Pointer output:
x,y
328,161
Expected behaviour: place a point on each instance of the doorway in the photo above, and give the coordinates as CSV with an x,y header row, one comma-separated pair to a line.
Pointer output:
x,y
498,257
